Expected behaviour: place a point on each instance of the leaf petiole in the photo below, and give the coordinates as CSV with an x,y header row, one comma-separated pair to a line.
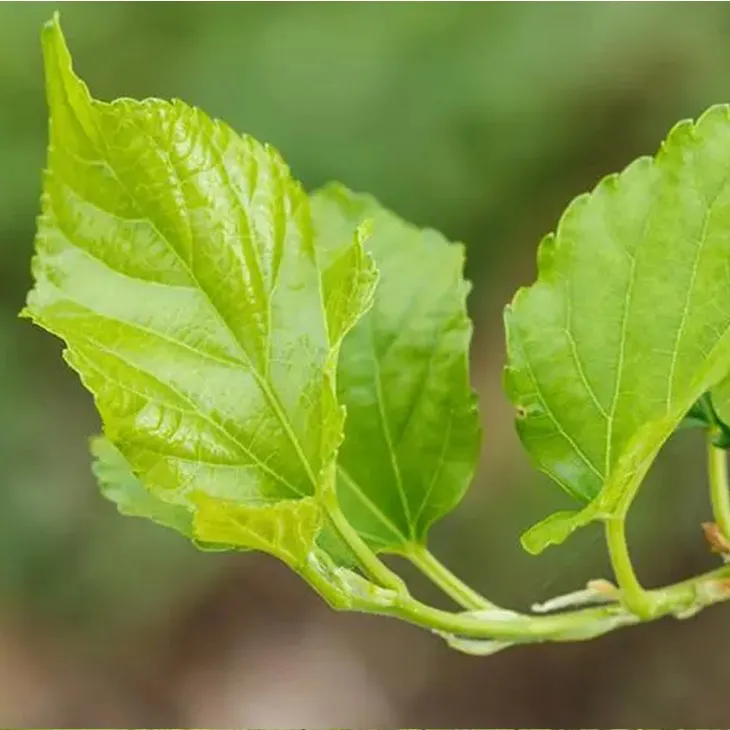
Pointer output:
x,y
442,577
681,600
719,488
367,559
633,595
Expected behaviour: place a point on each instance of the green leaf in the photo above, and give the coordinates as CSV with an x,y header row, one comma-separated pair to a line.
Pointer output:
x,y
557,527
412,433
704,414
119,485
287,529
712,412
629,321
177,261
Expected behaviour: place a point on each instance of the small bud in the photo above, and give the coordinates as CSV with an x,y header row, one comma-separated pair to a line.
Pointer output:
x,y
603,587
717,540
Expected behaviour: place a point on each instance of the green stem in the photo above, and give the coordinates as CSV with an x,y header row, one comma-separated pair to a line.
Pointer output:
x,y
683,599
421,558
633,595
719,489
441,576
493,623
368,560
506,626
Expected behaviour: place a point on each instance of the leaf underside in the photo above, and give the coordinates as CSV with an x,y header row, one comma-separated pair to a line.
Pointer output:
x,y
628,323
121,486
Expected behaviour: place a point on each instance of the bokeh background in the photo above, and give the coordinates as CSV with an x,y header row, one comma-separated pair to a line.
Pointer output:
x,y
482,120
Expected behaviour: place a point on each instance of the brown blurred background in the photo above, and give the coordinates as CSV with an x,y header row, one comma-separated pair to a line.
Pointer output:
x,y
482,120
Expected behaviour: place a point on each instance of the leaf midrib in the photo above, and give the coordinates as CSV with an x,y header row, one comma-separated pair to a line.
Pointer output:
x,y
261,381
193,409
263,385
709,205
379,396
695,266
374,509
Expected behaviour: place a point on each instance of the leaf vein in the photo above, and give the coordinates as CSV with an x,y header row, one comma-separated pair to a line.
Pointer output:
x,y
355,487
263,385
438,469
194,410
579,452
386,427
574,352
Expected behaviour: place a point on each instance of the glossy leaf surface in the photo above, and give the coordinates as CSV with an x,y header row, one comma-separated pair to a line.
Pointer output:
x,y
287,529
176,259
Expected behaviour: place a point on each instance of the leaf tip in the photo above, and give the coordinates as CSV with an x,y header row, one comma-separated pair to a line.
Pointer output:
x,y
558,527
53,42
25,313
553,530
52,24
64,89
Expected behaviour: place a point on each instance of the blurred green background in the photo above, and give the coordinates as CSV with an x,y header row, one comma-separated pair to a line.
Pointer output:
x,y
482,120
